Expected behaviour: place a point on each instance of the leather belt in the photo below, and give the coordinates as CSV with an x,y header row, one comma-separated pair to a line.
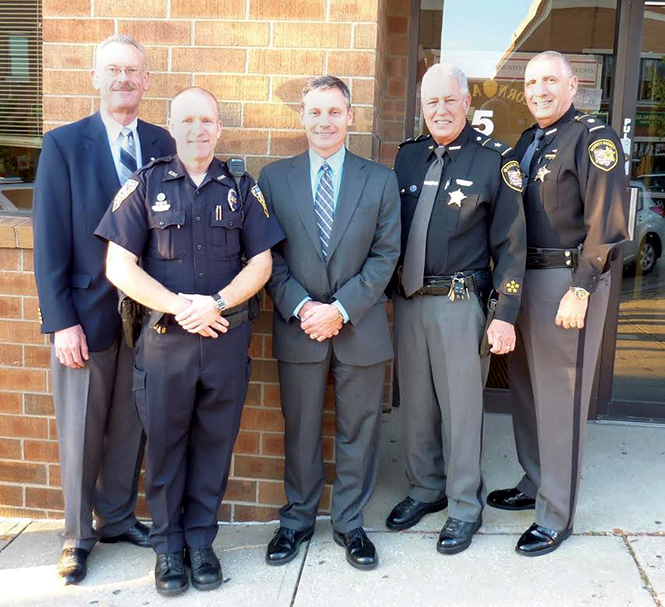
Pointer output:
x,y
473,282
538,259
160,321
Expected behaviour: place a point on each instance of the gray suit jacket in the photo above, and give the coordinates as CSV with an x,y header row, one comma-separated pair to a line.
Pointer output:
x,y
363,251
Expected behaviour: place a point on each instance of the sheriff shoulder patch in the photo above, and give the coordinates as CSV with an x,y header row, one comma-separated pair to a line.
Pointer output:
x,y
129,186
604,154
512,175
258,194
513,287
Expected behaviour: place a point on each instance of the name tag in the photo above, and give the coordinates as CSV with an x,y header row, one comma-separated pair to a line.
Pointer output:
x,y
463,182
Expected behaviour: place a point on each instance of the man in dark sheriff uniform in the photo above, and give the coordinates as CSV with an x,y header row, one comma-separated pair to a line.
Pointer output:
x,y
461,210
575,185
182,218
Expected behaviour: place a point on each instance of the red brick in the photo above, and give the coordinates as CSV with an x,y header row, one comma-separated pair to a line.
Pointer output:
x,y
61,83
37,356
398,25
11,495
44,498
23,427
39,404
271,395
240,490
10,307
30,308
263,324
271,115
255,164
262,419
167,85
13,283
66,109
288,90
396,87
365,36
264,370
223,60
122,8
247,442
28,260
41,451
253,395
312,35
272,444
363,120
157,32
24,236
10,259
233,88
220,9
54,478
328,448
361,145
287,143
242,141
271,493
21,472
352,63
63,8
22,379
77,30
305,10
10,448
243,513
287,61
225,513
67,56
354,10
251,466
398,45
11,355
231,33
329,423
256,346
52,429
10,402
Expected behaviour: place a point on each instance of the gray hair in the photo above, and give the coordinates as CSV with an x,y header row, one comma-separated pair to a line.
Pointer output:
x,y
326,82
444,70
121,39
567,68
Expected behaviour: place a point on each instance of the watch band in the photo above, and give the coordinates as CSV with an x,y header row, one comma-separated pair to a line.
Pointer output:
x,y
220,303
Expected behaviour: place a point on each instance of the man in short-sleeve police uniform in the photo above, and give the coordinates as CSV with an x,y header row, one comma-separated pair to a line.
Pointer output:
x,y
575,186
182,218
461,208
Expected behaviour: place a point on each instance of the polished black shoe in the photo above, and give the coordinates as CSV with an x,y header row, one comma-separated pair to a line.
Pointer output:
x,y
360,552
72,565
206,568
409,512
285,545
510,499
537,540
137,535
170,575
456,535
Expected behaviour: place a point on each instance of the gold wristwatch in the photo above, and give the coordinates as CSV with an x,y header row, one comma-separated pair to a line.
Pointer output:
x,y
580,293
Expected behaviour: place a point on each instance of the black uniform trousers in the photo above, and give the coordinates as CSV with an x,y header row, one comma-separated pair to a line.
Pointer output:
x,y
189,392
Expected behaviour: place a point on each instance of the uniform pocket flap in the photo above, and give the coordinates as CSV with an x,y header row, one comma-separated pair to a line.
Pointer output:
x,y
233,222
164,219
80,281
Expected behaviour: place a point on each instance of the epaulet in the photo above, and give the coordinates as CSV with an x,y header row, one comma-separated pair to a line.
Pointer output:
x,y
413,140
155,161
492,144
591,122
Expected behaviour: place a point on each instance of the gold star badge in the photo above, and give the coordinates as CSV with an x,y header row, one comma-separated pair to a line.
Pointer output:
x,y
513,287
542,171
456,197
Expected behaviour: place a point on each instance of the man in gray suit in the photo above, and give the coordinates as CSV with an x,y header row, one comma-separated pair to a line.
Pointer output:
x,y
341,217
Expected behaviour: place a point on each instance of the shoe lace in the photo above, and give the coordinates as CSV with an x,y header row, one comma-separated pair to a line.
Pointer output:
x,y
173,562
453,525
358,534
202,557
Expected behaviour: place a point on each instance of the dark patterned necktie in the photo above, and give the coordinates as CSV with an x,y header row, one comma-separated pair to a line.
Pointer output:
x,y
324,208
414,258
127,155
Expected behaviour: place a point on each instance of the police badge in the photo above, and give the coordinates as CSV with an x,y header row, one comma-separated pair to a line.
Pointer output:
x,y
512,175
232,199
604,154
129,186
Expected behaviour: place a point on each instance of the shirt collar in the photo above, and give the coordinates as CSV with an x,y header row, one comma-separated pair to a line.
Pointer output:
x,y
335,162
567,117
114,128
455,147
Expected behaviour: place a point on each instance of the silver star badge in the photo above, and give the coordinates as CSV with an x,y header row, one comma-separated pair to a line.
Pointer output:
x,y
542,171
456,197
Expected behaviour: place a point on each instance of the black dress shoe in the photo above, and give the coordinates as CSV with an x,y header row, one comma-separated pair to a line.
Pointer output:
x,y
456,535
137,535
360,552
510,499
206,568
285,545
409,512
537,540
170,575
72,565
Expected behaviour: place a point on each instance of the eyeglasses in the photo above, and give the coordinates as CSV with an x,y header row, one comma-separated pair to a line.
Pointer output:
x,y
114,70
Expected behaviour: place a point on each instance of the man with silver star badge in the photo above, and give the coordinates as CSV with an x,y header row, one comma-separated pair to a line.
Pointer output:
x,y
461,211
574,190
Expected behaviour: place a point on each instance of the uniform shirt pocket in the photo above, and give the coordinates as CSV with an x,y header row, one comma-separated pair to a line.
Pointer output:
x,y
167,239
225,235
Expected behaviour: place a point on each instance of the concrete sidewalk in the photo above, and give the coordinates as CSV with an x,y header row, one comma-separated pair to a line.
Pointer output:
x,y
615,558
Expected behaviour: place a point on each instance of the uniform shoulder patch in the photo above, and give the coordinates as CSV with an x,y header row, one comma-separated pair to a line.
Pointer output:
x,y
604,154
258,194
129,186
413,140
494,144
512,175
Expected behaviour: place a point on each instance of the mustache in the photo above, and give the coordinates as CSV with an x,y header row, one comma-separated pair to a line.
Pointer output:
x,y
124,87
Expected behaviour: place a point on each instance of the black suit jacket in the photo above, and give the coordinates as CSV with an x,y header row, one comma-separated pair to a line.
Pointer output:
x,y
76,182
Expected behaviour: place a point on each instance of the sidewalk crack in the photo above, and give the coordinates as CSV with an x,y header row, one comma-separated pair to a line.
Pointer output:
x,y
302,566
643,574
6,540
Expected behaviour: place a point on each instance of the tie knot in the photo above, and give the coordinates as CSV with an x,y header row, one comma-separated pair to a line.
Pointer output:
x,y
440,151
325,167
126,132
540,133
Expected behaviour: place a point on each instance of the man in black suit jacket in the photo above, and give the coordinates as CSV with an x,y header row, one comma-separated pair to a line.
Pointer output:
x,y
81,167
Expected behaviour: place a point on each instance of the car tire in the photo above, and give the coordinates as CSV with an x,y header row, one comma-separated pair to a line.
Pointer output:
x,y
646,257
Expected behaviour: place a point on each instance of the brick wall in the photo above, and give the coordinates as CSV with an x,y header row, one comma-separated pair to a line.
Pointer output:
x,y
255,55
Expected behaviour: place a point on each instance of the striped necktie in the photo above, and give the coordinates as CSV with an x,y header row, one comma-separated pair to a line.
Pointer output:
x,y
127,155
324,208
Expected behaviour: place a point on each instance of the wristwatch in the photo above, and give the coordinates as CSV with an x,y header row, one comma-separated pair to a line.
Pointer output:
x,y
580,293
220,303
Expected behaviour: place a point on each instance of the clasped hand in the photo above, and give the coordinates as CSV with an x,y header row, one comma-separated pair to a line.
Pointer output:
x,y
320,321
200,315
571,312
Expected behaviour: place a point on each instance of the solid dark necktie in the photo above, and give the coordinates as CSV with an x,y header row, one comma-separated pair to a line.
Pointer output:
x,y
525,165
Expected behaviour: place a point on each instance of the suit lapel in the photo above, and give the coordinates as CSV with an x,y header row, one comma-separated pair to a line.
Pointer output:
x,y
148,138
97,145
353,182
300,183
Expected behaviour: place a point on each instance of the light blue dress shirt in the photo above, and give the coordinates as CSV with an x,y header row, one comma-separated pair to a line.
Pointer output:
x,y
336,164
113,131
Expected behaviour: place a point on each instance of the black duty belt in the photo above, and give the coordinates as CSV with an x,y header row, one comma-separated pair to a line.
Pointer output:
x,y
539,259
160,321
455,286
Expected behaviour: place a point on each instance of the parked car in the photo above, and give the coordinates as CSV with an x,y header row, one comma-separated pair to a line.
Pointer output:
x,y
645,249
